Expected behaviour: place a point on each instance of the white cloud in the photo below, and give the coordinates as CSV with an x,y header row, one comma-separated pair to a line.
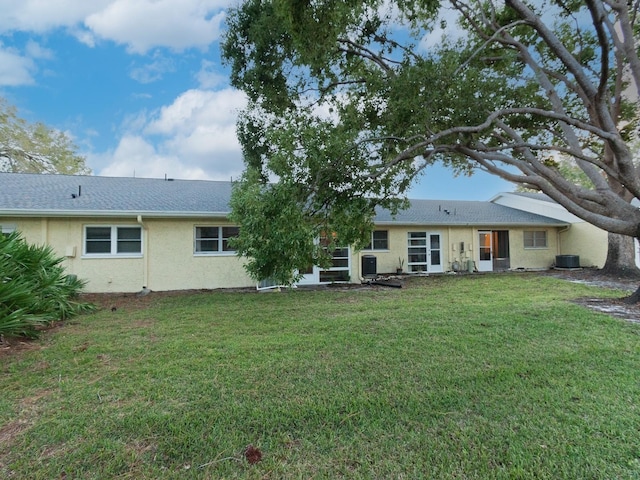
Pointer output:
x,y
144,24
15,69
83,36
134,156
138,24
195,108
43,15
208,76
447,18
35,50
154,70
194,137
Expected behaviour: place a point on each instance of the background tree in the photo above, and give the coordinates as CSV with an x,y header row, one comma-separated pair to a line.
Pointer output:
x,y
350,87
35,148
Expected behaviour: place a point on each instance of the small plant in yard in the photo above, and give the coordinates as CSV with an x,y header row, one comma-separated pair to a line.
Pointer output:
x,y
34,288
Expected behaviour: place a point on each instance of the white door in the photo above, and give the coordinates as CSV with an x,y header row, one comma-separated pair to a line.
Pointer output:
x,y
311,276
485,251
435,253
424,252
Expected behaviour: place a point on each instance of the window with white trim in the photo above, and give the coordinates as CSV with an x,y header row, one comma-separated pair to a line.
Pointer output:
x,y
379,240
214,239
112,240
7,229
535,239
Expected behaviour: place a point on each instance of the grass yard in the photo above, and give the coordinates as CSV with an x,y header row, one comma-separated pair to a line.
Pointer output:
x,y
480,376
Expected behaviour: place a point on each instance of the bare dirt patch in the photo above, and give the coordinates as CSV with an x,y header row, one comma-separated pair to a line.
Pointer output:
x,y
616,307
11,430
14,345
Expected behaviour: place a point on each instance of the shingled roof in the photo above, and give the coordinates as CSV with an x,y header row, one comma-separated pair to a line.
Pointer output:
x,y
460,213
71,195
67,195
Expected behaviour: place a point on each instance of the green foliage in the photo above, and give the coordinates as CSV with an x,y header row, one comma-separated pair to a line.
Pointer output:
x,y
34,289
284,230
320,191
345,97
35,148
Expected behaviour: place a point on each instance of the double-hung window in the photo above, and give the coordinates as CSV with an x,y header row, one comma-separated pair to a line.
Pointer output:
x,y
379,240
535,239
214,239
112,240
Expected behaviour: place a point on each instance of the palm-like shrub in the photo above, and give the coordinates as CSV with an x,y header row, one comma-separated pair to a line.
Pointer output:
x,y
34,288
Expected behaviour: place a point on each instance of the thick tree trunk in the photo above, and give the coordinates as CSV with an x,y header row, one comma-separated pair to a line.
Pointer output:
x,y
621,257
621,261
633,298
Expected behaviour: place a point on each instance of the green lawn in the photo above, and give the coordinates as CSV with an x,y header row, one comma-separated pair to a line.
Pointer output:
x,y
480,376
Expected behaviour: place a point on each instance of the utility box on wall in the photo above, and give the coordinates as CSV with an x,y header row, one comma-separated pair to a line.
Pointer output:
x,y
567,261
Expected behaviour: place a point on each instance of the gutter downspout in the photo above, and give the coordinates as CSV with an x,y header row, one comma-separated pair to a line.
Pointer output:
x,y
145,259
559,241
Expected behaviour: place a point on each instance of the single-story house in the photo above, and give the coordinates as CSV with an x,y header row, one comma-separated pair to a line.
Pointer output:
x,y
126,234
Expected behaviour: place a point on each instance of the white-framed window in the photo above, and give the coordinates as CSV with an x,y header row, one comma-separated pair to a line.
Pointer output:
x,y
112,240
535,239
211,239
7,228
379,240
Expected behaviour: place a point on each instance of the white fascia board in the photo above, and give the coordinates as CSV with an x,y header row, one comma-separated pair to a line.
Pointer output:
x,y
545,208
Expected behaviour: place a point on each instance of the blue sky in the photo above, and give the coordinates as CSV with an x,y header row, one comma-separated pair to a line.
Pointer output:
x,y
140,88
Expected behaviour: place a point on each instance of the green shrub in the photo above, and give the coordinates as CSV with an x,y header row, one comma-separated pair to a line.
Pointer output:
x,y
35,291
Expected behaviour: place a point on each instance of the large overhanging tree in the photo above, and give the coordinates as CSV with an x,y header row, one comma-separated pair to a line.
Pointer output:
x,y
34,147
621,249
348,105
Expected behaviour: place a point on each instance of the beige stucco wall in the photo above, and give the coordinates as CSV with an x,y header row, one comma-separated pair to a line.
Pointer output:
x,y
388,260
583,239
532,258
168,261
173,264
587,241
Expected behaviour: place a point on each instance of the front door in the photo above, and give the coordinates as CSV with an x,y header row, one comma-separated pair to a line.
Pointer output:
x,y
424,252
493,250
485,248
